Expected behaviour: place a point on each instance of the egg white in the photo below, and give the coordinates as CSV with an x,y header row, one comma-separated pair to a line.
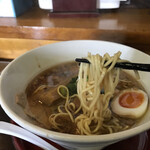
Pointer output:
x,y
133,113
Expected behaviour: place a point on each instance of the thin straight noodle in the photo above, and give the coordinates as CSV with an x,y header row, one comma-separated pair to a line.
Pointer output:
x,y
117,77
97,75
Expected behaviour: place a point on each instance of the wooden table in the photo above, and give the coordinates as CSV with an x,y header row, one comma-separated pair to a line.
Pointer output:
x,y
127,26
35,28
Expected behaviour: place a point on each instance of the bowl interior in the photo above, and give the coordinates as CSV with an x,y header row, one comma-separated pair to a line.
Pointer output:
x,y
19,72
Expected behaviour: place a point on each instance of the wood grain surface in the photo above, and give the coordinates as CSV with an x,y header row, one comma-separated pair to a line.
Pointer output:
x,y
11,48
35,28
121,25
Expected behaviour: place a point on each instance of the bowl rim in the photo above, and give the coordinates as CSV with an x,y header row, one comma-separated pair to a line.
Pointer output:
x,y
69,137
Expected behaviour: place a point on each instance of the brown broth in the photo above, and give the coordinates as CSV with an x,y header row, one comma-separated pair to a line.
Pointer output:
x,y
62,74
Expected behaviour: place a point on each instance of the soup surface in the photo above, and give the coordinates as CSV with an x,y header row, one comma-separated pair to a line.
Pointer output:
x,y
43,98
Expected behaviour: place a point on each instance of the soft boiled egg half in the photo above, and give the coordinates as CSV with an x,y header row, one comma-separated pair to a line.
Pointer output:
x,y
130,103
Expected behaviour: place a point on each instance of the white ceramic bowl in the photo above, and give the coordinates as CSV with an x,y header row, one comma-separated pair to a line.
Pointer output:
x,y
20,71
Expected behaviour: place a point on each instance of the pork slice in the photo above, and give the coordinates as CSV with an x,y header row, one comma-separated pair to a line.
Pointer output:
x,y
64,75
39,112
46,96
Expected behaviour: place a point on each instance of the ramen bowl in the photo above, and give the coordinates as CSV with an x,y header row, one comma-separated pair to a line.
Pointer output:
x,y
16,76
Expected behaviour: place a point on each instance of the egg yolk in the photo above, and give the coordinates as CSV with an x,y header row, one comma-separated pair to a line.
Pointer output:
x,y
131,99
